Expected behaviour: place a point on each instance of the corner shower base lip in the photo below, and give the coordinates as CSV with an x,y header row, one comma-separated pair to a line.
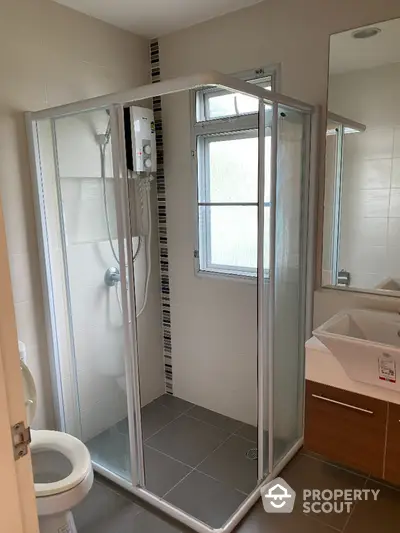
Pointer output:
x,y
188,520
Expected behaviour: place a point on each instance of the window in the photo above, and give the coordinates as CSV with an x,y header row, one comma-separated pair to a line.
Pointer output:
x,y
227,180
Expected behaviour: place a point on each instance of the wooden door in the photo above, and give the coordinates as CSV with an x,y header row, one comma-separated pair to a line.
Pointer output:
x,y
17,495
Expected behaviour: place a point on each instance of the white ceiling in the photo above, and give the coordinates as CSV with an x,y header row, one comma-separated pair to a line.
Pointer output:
x,y
347,53
152,18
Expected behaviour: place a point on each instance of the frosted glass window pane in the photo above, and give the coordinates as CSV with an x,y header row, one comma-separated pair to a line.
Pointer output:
x,y
233,165
233,170
229,240
231,104
233,236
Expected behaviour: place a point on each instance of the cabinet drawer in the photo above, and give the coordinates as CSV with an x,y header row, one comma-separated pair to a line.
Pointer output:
x,y
346,428
392,462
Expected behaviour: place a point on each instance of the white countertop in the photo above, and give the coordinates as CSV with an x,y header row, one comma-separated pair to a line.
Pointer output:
x,y
323,367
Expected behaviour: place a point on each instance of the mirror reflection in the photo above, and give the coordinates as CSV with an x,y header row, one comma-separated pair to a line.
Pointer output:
x,y
361,247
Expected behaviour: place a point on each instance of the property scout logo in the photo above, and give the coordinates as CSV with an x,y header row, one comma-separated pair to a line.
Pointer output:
x,y
279,497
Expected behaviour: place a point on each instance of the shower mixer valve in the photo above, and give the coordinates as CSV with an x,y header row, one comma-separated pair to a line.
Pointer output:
x,y
112,277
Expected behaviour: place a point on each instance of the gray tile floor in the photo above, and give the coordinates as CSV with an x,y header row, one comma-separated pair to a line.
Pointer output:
x,y
109,509
189,452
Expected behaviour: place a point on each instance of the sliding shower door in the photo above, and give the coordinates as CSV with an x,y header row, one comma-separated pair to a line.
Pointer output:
x,y
86,250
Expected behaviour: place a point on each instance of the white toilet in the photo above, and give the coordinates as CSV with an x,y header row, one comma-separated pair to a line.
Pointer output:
x,y
62,467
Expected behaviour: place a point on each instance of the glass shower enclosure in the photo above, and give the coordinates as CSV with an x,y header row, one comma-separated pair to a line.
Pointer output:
x,y
187,399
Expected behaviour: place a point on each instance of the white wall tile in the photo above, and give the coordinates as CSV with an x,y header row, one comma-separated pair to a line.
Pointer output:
x,y
373,174
38,364
368,231
394,210
395,182
396,148
84,210
393,261
372,203
22,276
375,143
393,232
365,280
366,258
77,135
29,323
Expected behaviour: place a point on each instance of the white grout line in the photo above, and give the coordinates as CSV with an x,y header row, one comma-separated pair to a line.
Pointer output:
x,y
163,427
202,461
214,450
179,415
176,484
169,456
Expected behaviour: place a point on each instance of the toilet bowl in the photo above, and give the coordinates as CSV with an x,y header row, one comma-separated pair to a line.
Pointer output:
x,y
62,468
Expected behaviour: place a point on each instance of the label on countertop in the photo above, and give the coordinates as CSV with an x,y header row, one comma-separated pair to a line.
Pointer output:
x,y
387,368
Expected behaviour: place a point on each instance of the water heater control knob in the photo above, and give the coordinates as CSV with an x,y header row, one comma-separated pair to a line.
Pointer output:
x,y
147,149
147,163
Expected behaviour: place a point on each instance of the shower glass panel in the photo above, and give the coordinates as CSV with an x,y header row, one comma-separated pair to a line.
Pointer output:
x,y
289,302
77,180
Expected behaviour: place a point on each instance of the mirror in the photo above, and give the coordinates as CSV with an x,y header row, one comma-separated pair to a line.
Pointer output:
x,y
361,234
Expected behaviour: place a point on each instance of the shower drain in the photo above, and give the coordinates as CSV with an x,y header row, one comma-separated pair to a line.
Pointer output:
x,y
252,454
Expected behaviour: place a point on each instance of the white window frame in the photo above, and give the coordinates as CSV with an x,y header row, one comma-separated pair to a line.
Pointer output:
x,y
205,131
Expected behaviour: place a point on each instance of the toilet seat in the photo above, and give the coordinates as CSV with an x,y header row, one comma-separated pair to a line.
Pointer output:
x,y
71,448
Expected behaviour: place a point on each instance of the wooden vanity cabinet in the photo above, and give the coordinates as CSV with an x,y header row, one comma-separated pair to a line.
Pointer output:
x,y
347,428
392,458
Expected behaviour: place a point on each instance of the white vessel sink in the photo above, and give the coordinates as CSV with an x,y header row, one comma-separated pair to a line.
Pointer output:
x,y
367,345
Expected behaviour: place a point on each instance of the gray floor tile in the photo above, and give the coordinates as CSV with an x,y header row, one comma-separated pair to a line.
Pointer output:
x,y
129,521
305,472
162,472
215,419
154,417
123,426
247,432
101,506
229,464
382,515
147,522
258,521
205,498
174,403
111,450
188,440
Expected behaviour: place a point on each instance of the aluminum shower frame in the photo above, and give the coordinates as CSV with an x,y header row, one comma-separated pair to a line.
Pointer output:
x,y
115,103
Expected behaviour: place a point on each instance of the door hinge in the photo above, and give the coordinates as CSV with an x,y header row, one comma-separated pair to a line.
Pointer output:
x,y
21,439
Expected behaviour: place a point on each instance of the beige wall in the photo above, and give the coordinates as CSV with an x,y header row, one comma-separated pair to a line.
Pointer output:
x,y
295,35
49,55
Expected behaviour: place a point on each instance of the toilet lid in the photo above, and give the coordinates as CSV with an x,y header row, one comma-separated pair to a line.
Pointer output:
x,y
73,449
29,393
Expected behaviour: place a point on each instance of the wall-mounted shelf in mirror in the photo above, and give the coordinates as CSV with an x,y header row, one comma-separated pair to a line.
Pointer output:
x,y
361,232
